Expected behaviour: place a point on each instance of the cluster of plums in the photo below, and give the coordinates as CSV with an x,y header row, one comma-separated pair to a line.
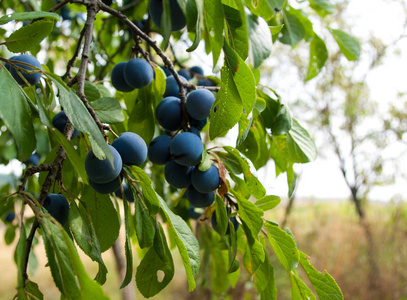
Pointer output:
x,y
134,74
31,78
129,149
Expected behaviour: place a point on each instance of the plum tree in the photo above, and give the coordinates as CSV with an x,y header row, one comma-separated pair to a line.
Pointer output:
x,y
186,149
138,73
171,86
200,200
59,121
32,78
207,181
127,193
57,206
199,103
101,171
169,113
117,78
108,187
132,148
159,150
177,175
177,16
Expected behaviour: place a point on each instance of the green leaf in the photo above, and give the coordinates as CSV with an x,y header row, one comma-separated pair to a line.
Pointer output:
x,y
206,162
73,156
349,46
16,114
32,291
92,92
250,214
28,37
25,16
108,110
103,217
74,281
268,202
254,254
283,245
293,31
236,29
317,57
323,283
265,281
150,197
143,225
300,145
260,39
86,238
147,274
276,29
222,220
254,185
299,289
214,22
81,119
275,4
20,255
322,7
186,241
127,246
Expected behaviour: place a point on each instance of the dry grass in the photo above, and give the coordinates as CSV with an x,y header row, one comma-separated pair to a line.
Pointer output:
x,y
327,231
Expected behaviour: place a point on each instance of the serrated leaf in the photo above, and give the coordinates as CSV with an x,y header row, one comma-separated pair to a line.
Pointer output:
x,y
147,272
108,110
214,22
317,57
73,156
30,15
186,241
236,28
254,254
86,238
28,37
16,114
265,281
250,214
74,281
32,291
299,290
143,225
349,46
283,245
323,283
150,197
268,202
103,216
127,246
300,145
276,29
260,39
222,220
293,31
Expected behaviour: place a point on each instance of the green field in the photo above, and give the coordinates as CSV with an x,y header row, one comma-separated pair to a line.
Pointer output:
x,y
328,231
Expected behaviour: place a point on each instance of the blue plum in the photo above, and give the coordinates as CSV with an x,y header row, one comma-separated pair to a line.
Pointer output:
x,y
193,214
207,181
232,219
117,77
132,148
200,200
138,73
199,103
107,2
195,131
206,82
57,206
197,70
198,124
127,193
169,113
176,175
186,149
101,171
106,188
33,160
185,73
59,122
159,150
32,78
177,16
171,86
9,217
166,71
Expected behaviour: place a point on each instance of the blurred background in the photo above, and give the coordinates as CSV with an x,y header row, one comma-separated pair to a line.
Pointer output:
x,y
348,211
